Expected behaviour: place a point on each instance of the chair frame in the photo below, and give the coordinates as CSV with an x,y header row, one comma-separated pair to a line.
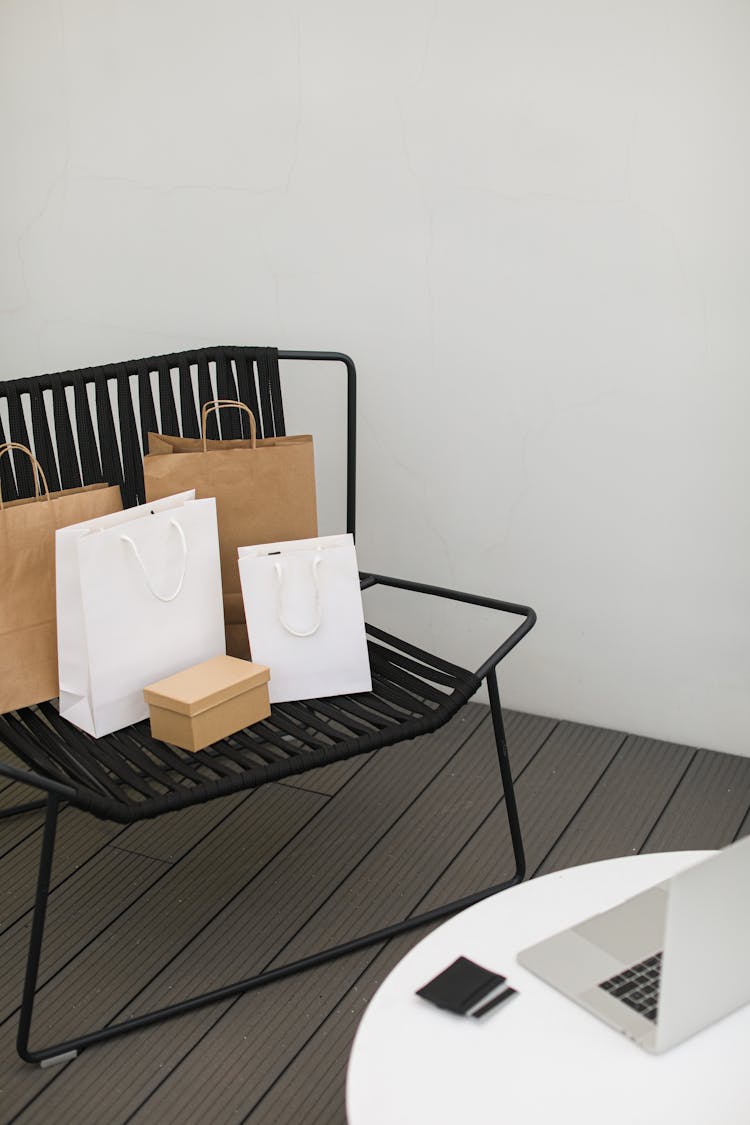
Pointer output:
x,y
57,792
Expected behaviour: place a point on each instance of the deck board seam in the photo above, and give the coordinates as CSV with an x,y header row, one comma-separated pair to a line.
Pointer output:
x,y
164,966
346,986
670,799
294,1068
479,720
576,813
145,855
99,850
311,789
494,811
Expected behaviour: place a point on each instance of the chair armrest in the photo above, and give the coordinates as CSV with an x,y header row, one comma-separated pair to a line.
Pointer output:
x,y
36,781
367,581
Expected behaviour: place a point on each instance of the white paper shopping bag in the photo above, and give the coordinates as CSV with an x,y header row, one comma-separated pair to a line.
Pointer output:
x,y
303,607
138,598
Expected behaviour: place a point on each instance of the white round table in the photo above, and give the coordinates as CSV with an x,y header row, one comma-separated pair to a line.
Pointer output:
x,y
539,1057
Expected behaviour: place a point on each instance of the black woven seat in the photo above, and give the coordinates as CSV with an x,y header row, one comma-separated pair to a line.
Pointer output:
x,y
129,776
89,426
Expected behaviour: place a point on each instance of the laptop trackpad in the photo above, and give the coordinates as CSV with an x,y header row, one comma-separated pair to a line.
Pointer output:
x,y
632,930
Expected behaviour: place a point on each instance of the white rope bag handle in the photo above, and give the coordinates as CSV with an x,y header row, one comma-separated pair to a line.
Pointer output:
x,y
162,597
280,569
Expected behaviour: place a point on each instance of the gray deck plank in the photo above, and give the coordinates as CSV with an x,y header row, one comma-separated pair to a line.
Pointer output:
x,y
423,843
462,789
310,1068
10,759
549,793
145,938
257,923
15,829
94,894
620,812
708,806
329,779
80,838
459,798
281,1054
168,837
81,909
312,1087
14,793
313,1077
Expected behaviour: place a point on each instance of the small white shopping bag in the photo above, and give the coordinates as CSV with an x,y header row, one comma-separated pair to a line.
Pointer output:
x,y
138,598
303,607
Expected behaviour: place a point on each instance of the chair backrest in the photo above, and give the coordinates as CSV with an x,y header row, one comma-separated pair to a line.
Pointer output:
x,y
91,425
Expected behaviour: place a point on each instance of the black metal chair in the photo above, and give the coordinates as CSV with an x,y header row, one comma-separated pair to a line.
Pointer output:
x,y
129,776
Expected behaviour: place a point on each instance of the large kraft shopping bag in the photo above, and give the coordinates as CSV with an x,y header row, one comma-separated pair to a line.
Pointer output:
x,y
304,617
138,599
264,489
28,641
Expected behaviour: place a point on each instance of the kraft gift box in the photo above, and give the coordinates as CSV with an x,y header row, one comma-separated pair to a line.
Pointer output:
x,y
209,701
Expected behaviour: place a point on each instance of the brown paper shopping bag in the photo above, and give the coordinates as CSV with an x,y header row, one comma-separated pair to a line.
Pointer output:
x,y
28,636
264,489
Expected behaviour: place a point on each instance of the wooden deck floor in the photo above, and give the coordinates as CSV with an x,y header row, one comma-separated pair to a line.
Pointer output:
x,y
147,914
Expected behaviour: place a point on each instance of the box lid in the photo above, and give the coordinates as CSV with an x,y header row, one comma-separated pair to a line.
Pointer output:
x,y
205,685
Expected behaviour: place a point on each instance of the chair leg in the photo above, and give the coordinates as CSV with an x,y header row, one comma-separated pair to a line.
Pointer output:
x,y
37,932
64,1051
511,811
505,772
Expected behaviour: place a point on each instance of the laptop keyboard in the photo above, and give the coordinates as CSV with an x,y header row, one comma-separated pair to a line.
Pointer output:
x,y
638,986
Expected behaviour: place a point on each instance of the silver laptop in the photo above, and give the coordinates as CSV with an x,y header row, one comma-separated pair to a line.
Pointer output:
x,y
666,963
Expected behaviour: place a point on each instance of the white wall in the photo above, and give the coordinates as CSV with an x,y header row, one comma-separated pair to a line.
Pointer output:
x,y
527,222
